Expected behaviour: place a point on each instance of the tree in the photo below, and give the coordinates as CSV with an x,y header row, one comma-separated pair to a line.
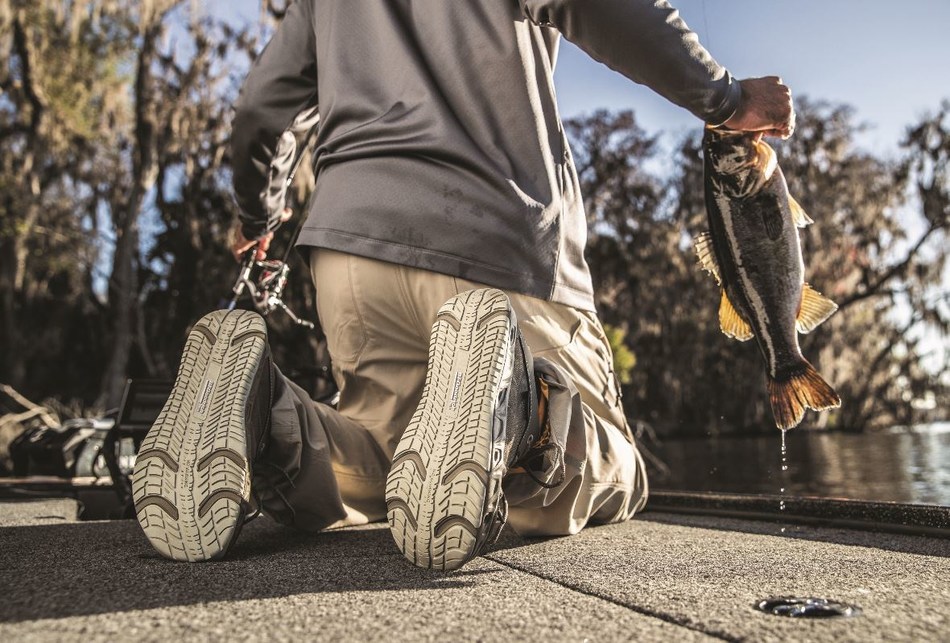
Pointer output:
x,y
63,88
879,250
689,378
115,205
647,282
115,188
189,270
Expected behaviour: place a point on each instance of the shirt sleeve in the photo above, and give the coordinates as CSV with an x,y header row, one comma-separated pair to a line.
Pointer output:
x,y
280,86
648,42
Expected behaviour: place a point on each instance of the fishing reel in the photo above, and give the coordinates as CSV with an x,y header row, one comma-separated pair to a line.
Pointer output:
x,y
265,282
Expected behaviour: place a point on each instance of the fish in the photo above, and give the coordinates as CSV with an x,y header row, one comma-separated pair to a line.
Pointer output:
x,y
753,250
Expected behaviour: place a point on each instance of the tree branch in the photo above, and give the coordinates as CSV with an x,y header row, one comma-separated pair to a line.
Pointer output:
x,y
874,289
34,94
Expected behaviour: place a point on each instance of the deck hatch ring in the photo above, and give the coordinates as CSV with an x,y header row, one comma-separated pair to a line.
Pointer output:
x,y
806,607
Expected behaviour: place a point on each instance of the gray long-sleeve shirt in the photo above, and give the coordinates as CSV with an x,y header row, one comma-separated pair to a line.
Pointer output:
x,y
439,143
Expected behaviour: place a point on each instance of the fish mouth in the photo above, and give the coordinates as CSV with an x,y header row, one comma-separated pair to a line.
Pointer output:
x,y
741,161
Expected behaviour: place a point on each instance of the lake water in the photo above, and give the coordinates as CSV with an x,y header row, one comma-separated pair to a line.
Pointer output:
x,y
901,465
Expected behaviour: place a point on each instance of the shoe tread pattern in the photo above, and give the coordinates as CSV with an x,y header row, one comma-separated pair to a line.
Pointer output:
x,y
209,452
435,513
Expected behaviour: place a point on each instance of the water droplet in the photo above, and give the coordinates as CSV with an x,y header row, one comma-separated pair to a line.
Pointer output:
x,y
781,504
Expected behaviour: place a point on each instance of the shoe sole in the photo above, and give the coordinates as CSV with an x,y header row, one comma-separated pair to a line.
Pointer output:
x,y
191,483
447,469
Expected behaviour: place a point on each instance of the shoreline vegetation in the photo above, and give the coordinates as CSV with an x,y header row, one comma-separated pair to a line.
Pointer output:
x,y
115,207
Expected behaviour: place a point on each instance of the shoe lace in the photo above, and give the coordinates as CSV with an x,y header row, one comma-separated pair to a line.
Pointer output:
x,y
538,453
275,488
492,526
498,520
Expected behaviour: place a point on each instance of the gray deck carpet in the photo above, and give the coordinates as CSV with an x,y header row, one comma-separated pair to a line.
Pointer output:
x,y
662,577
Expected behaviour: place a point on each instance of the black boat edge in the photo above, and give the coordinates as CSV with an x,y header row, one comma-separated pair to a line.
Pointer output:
x,y
893,517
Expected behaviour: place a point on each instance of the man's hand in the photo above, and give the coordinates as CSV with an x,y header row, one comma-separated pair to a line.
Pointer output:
x,y
240,244
766,107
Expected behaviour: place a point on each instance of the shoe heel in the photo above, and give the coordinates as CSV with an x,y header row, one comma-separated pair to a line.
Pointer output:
x,y
191,482
447,468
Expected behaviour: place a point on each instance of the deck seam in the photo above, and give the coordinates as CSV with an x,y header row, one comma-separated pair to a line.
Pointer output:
x,y
633,608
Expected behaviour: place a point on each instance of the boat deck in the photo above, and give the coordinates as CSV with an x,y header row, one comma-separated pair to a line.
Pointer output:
x,y
661,577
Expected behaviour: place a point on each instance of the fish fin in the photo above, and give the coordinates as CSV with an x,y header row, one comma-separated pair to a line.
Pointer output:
x,y
707,257
731,322
767,159
814,309
805,389
799,217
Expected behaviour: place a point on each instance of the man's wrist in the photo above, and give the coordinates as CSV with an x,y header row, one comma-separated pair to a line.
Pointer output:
x,y
729,106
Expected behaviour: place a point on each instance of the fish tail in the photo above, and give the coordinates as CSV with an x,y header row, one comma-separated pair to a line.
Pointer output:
x,y
802,389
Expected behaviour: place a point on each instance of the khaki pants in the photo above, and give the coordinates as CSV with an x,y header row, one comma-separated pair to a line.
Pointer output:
x,y
326,466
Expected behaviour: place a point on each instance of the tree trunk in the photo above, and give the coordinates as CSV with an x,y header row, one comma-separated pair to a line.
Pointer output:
x,y
13,369
123,286
13,274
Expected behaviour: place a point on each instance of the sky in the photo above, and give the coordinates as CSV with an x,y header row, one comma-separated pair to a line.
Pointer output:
x,y
889,59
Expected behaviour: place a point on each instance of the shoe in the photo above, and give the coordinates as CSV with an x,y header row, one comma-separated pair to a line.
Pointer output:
x,y
476,419
192,479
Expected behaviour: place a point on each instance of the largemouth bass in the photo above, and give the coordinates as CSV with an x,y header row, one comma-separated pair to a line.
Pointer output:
x,y
753,250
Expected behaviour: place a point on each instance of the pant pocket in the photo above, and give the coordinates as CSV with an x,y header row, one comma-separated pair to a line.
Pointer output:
x,y
551,328
338,305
